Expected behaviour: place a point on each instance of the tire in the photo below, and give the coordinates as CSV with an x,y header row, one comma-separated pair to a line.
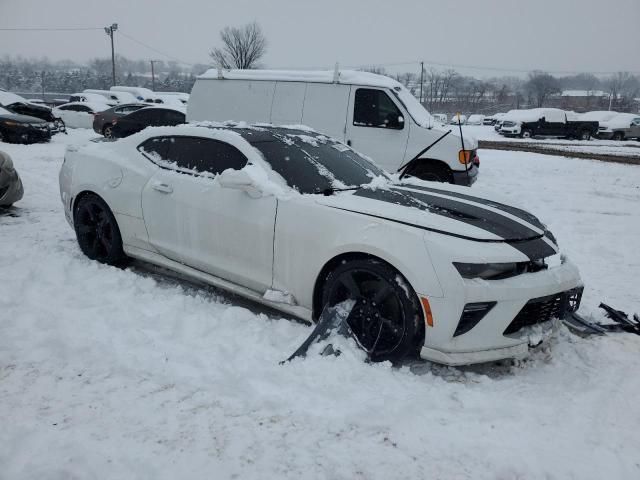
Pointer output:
x,y
97,231
585,135
526,133
432,171
387,319
618,136
107,131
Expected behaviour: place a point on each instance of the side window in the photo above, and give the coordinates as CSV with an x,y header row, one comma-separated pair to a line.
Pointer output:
x,y
174,118
203,155
636,121
141,116
156,149
83,108
374,108
71,108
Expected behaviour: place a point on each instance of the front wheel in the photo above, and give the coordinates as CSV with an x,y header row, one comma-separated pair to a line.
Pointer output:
x,y
432,171
618,136
97,230
386,320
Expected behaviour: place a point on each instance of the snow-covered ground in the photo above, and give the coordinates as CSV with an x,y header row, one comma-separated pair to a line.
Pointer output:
x,y
612,147
108,373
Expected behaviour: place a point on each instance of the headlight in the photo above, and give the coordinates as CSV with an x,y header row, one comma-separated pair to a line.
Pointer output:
x,y
490,271
10,123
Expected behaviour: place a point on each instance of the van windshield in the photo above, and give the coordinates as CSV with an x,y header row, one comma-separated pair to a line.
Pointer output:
x,y
414,107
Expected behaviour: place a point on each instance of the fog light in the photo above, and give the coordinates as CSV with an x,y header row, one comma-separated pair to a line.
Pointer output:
x,y
471,315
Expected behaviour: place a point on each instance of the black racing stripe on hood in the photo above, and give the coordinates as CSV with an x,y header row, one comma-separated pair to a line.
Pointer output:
x,y
516,212
535,248
473,215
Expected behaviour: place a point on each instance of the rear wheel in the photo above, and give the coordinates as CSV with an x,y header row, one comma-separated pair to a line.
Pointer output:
x,y
107,131
526,133
585,135
97,230
618,136
386,320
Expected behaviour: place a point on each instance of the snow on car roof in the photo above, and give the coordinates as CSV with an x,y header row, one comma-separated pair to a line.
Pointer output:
x,y
7,98
621,120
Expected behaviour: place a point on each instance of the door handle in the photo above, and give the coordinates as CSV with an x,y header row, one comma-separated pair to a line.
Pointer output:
x,y
162,187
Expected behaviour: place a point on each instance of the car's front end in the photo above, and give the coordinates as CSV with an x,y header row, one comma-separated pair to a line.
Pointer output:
x,y
11,189
510,128
23,129
497,309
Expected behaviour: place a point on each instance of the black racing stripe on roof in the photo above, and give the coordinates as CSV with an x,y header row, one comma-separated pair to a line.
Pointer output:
x,y
473,215
516,212
534,249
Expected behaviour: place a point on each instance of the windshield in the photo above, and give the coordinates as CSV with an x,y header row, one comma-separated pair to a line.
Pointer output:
x,y
414,107
313,163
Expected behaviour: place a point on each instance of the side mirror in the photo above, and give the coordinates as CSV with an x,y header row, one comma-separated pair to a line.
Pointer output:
x,y
239,180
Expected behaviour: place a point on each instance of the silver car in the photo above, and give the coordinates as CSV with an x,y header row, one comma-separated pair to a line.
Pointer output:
x,y
10,184
621,127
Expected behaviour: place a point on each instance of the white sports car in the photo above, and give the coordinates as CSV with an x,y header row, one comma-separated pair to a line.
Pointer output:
x,y
295,220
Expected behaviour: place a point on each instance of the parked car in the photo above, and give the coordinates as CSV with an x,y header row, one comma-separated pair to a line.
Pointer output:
x,y
440,117
16,128
21,106
493,119
458,119
145,117
10,184
202,201
142,94
475,119
549,122
183,97
103,121
79,114
372,113
111,96
620,127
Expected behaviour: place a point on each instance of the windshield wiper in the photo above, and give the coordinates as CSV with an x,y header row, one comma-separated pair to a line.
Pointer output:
x,y
331,190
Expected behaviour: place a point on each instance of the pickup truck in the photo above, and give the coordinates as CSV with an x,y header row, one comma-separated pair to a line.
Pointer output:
x,y
547,122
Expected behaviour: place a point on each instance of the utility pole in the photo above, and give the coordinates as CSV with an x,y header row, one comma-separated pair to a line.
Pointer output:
x,y
421,79
109,31
153,75
42,84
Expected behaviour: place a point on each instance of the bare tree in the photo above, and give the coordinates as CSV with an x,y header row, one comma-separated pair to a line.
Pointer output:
x,y
540,85
242,47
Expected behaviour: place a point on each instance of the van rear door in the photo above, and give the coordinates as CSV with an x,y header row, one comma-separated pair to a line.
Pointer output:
x,y
378,126
325,108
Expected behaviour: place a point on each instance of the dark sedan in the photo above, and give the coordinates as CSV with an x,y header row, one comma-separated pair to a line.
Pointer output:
x,y
146,117
38,111
103,121
22,128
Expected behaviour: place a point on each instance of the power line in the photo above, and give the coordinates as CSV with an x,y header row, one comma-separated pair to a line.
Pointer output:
x,y
171,57
47,29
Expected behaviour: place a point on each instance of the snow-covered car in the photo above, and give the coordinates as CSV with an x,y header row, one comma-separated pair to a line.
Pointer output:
x,y
475,119
440,117
547,122
112,96
620,127
79,114
458,119
91,97
295,220
21,106
10,184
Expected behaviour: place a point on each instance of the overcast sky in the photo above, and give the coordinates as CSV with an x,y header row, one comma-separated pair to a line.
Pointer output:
x,y
552,35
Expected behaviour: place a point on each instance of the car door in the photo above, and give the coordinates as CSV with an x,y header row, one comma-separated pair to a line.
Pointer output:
x,y
376,127
191,219
69,115
133,122
84,116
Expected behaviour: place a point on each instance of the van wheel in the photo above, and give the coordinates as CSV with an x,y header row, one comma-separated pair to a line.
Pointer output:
x,y
526,133
432,171
387,319
618,136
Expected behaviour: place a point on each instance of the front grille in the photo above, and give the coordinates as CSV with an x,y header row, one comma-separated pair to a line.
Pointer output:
x,y
543,309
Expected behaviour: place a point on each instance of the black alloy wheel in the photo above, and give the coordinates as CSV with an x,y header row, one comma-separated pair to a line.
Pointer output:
x,y
107,131
386,319
97,230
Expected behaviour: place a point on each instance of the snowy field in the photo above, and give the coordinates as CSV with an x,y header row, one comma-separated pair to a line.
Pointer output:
x,y
612,147
130,374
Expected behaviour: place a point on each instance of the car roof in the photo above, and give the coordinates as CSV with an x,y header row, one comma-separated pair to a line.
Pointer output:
x,y
99,107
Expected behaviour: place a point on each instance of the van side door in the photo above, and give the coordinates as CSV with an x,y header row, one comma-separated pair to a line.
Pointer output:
x,y
325,108
377,126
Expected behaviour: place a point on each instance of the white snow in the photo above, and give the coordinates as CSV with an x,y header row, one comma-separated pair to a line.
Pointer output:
x,y
110,373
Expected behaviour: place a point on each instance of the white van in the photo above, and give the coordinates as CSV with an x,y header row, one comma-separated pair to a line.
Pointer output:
x,y
372,113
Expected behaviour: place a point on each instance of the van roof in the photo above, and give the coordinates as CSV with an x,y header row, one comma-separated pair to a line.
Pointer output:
x,y
349,77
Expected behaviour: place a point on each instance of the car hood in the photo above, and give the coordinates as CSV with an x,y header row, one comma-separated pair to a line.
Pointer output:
x,y
446,210
21,118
